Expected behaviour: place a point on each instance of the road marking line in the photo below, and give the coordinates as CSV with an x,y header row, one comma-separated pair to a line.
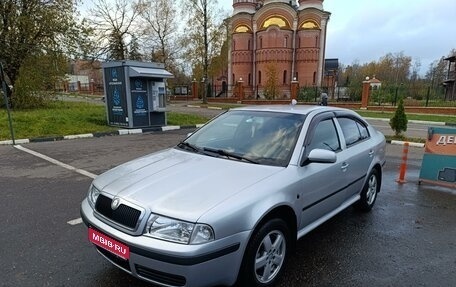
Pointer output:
x,y
75,221
61,164
56,162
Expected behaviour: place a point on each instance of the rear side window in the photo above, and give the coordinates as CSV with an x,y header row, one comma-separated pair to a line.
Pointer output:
x,y
353,130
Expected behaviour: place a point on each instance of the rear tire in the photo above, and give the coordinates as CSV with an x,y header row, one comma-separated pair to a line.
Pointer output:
x,y
369,192
266,255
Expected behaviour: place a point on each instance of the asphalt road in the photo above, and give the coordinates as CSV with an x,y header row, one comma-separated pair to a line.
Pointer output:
x,y
407,240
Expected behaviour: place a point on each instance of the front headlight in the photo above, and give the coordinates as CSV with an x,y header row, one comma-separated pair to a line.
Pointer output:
x,y
92,196
169,229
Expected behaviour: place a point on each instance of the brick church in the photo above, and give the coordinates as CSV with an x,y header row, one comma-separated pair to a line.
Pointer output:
x,y
281,39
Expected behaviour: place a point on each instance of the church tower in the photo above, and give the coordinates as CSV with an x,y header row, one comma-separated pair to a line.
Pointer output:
x,y
285,39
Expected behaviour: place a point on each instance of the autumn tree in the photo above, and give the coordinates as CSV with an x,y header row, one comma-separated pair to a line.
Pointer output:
x,y
219,63
204,34
36,37
113,22
271,89
159,21
31,27
392,69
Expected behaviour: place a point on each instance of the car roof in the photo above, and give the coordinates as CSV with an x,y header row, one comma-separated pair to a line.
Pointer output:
x,y
295,109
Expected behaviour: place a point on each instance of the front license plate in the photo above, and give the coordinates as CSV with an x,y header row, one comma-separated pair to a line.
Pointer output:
x,y
112,245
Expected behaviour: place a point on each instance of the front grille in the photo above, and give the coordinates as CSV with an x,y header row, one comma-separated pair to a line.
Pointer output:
x,y
160,277
124,215
114,258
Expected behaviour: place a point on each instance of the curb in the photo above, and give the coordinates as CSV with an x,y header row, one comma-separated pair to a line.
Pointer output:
x,y
411,144
102,134
209,107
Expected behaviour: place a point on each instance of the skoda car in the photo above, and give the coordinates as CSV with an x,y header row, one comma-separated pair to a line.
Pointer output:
x,y
227,204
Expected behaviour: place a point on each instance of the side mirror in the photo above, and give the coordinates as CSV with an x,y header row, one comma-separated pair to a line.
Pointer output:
x,y
322,156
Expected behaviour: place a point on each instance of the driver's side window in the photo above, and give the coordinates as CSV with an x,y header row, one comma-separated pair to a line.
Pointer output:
x,y
325,137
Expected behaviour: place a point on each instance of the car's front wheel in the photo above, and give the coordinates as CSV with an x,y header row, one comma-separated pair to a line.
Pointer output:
x,y
369,192
266,254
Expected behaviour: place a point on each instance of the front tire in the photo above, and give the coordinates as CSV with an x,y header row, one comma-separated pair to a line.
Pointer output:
x,y
266,254
369,192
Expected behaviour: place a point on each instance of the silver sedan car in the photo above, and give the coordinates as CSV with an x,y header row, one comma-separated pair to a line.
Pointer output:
x,y
228,203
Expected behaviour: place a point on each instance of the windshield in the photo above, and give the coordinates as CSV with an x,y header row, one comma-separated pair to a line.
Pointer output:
x,y
253,136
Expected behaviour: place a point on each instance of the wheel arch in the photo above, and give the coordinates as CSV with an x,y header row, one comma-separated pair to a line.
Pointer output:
x,y
284,212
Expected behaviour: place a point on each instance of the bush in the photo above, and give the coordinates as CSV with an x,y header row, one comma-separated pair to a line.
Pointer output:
x,y
399,121
307,94
34,87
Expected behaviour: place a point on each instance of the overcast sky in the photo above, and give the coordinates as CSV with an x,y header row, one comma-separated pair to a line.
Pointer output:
x,y
365,30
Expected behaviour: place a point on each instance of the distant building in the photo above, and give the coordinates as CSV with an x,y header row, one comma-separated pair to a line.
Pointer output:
x,y
281,37
449,83
75,82
83,76
91,69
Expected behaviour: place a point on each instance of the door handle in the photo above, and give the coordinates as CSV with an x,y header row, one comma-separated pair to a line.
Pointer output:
x,y
344,166
371,153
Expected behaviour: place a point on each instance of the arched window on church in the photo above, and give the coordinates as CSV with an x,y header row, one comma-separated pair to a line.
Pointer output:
x,y
248,45
285,77
314,78
261,42
259,77
250,79
317,42
285,42
234,45
234,80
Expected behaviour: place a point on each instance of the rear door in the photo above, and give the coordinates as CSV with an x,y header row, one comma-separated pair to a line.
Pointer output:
x,y
358,147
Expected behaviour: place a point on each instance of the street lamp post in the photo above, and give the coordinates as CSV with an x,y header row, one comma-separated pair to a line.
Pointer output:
x,y
203,88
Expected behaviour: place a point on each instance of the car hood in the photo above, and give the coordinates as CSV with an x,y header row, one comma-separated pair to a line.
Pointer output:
x,y
181,184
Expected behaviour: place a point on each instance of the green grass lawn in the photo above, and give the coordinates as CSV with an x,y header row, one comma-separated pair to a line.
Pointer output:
x,y
70,118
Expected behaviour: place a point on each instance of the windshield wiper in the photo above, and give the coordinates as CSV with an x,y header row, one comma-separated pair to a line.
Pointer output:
x,y
229,154
189,146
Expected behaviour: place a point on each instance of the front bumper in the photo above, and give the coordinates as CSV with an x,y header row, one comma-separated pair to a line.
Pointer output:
x,y
171,264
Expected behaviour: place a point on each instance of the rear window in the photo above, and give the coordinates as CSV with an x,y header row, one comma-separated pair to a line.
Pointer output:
x,y
353,130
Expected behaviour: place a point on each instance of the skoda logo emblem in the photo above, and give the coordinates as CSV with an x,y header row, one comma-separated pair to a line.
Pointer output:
x,y
115,203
